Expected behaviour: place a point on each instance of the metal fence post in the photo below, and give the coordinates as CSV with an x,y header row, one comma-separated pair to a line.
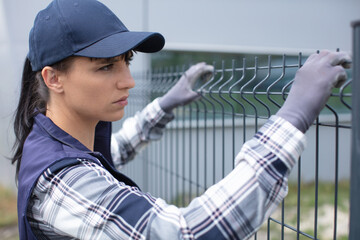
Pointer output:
x,y
355,148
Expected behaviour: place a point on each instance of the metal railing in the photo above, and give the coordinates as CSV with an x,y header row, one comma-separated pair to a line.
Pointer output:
x,y
199,146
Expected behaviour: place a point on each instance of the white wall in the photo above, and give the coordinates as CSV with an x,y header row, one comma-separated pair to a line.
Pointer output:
x,y
256,25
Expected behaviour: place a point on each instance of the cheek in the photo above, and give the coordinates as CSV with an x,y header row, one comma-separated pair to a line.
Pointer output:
x,y
86,95
94,98
81,93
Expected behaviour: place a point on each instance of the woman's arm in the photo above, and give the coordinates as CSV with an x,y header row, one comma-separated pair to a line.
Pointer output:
x,y
137,132
237,206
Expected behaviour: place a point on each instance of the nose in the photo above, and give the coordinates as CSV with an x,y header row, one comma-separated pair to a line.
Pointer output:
x,y
125,81
130,81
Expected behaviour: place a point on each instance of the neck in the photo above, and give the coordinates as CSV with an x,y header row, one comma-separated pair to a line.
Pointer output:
x,y
80,129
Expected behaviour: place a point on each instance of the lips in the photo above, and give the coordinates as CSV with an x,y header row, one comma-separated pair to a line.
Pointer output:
x,y
122,101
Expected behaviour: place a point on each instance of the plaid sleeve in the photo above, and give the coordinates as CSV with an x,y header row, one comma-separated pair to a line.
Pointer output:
x,y
85,201
138,131
279,138
237,206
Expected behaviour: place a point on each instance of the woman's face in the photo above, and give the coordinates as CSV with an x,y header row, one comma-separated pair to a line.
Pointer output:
x,y
97,89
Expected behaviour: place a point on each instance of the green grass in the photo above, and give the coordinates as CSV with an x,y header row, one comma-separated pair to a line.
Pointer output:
x,y
8,210
326,195
8,213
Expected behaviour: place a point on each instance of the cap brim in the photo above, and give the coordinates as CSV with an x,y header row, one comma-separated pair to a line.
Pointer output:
x,y
122,42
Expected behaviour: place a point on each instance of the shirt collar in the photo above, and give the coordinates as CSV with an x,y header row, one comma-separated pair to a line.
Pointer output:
x,y
57,133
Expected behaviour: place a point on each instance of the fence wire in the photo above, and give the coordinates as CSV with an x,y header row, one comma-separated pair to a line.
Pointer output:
x,y
199,146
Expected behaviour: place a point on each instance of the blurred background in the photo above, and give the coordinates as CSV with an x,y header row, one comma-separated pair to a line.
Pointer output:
x,y
195,30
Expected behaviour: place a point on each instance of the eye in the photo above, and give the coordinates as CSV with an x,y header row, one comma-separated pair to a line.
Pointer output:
x,y
106,67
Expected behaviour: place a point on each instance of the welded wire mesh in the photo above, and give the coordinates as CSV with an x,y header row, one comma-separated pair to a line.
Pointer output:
x,y
199,146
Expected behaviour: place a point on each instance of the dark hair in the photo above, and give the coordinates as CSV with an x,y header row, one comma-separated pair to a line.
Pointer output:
x,y
33,99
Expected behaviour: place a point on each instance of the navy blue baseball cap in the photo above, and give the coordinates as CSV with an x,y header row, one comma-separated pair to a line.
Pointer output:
x,y
83,28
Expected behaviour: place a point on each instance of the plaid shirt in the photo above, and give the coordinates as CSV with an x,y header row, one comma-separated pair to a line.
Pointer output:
x,y
86,202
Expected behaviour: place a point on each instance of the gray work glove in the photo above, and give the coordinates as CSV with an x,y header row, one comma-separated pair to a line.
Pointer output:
x,y
312,87
181,93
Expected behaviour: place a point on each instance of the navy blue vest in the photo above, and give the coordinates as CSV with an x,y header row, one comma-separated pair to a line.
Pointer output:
x,y
48,146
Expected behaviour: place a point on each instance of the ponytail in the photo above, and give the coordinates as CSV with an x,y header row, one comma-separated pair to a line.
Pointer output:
x,y
33,98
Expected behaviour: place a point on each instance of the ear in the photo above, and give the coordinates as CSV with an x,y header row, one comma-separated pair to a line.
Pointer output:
x,y
51,79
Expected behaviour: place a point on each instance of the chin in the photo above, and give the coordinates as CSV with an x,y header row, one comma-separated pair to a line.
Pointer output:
x,y
114,117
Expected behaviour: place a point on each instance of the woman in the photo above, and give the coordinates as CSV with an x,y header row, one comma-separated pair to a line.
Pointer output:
x,y
76,81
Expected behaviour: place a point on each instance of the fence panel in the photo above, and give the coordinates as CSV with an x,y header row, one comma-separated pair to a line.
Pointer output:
x,y
199,146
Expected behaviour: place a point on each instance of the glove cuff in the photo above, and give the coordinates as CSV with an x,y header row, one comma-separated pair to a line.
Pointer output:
x,y
295,118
